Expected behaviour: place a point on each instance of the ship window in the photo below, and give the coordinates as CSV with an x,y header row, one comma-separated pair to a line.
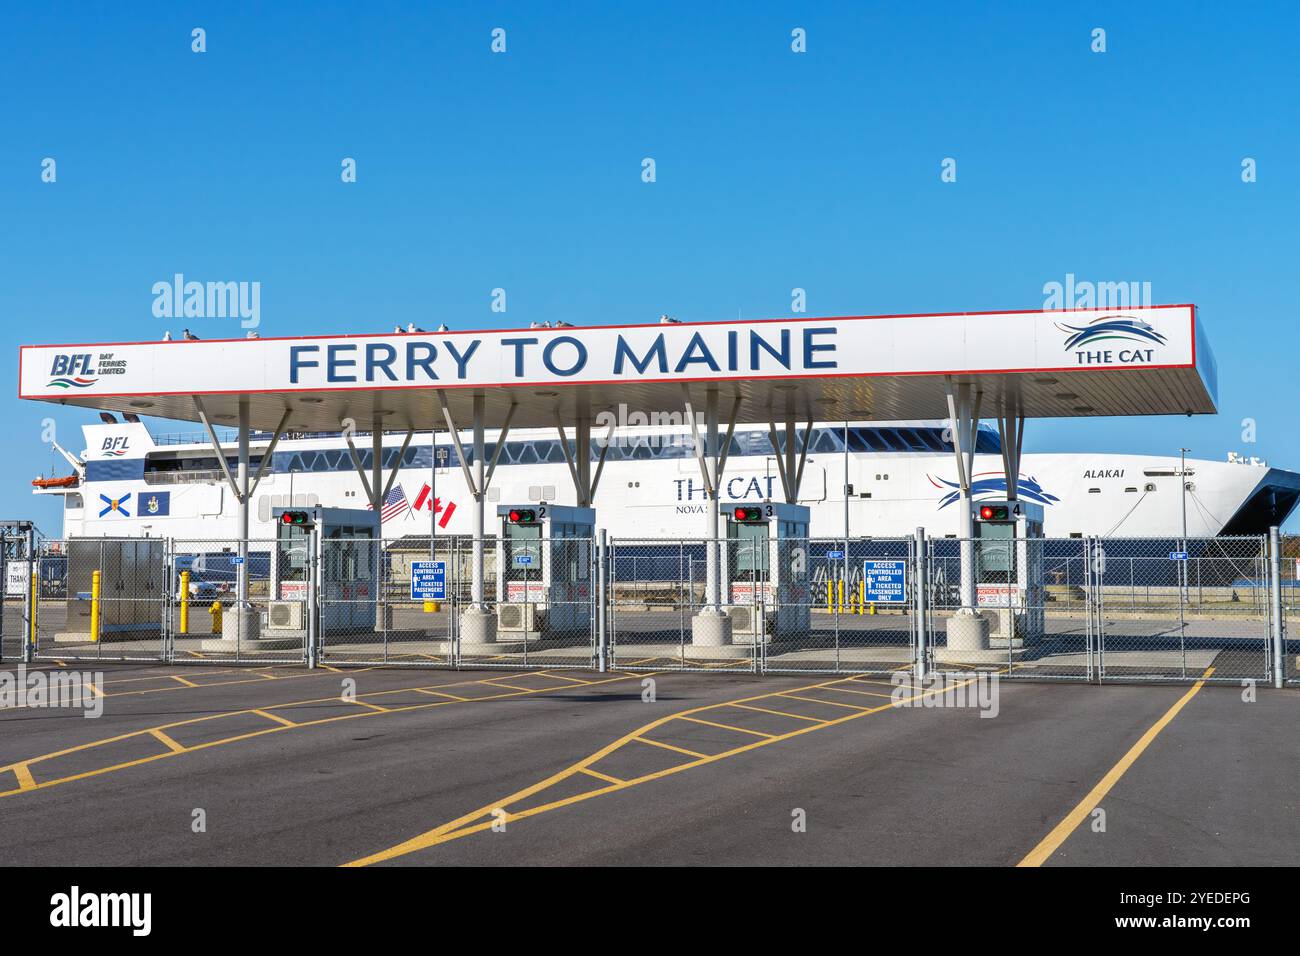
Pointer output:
x,y
527,454
1094,491
71,501
826,440
891,437
1076,534
930,438
1130,490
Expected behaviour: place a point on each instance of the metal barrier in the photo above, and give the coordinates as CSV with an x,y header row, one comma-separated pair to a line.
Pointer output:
x,y
1099,609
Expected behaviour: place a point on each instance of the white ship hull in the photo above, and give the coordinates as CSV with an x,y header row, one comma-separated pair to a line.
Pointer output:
x,y
133,486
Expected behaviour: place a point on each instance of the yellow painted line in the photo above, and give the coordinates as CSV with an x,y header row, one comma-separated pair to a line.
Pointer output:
x,y
660,743
275,717
167,741
436,693
1052,842
863,693
246,736
739,730
779,713
562,677
464,825
62,663
24,775
326,667
363,703
93,689
187,683
495,682
601,776
828,703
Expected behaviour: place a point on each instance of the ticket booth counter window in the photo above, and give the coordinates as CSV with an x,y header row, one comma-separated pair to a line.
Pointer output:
x,y
748,552
292,543
995,561
523,552
349,554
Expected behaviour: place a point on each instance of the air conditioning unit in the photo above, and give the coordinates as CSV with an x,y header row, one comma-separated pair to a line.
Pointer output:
x,y
285,615
517,617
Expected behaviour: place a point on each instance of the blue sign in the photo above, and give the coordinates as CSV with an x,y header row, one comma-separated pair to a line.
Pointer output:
x,y
835,555
523,559
885,581
428,580
1177,555
236,560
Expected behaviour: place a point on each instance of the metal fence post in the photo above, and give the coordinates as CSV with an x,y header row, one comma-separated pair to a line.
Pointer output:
x,y
29,600
602,557
920,606
1275,600
4,583
313,603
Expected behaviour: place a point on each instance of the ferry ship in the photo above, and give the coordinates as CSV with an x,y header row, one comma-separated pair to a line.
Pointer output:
x,y
897,476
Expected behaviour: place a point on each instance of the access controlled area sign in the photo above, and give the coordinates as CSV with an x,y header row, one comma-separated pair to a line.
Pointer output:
x,y
885,582
428,580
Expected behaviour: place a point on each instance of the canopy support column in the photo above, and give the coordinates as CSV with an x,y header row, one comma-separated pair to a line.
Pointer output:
x,y
964,409
791,474
1011,431
477,622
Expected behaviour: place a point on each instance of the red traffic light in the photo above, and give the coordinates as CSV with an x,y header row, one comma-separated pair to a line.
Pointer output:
x,y
523,516
299,518
748,515
993,513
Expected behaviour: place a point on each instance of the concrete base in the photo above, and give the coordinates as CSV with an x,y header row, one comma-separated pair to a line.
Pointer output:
x,y
242,623
222,645
711,628
968,630
477,626
948,655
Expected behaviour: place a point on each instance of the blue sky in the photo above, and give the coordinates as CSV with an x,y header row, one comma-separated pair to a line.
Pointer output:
x,y
774,170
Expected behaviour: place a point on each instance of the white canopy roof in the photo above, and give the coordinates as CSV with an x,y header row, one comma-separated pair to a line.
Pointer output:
x,y
1138,361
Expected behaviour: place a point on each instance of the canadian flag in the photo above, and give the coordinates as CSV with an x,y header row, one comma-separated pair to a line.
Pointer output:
x,y
424,500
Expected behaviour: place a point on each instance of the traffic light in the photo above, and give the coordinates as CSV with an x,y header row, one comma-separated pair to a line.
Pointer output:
x,y
994,513
523,516
299,519
748,515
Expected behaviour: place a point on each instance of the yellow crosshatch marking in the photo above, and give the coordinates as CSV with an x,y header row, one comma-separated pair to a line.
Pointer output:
x,y
482,819
27,783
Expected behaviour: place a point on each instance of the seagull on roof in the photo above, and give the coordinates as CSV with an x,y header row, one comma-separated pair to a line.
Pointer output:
x,y
442,327
253,334
189,336
167,335
668,320
539,325
561,324
397,329
412,327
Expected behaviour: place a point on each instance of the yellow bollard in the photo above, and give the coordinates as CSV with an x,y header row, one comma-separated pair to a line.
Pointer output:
x,y
873,607
36,591
95,577
830,595
215,611
842,608
862,597
185,602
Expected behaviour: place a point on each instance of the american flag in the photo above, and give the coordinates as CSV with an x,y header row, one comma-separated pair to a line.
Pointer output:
x,y
394,505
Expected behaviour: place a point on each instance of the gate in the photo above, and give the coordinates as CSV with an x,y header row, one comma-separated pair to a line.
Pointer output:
x,y
100,599
1183,609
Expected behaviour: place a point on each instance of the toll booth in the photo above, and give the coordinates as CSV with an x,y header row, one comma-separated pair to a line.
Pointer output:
x,y
544,571
350,563
1009,570
765,572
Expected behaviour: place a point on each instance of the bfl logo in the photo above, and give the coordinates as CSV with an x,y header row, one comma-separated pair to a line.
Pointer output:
x,y
72,371
1108,328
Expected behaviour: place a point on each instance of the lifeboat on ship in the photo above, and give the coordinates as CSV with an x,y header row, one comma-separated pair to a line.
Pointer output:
x,y
70,481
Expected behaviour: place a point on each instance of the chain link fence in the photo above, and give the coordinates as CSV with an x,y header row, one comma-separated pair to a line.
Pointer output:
x,y
1087,609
